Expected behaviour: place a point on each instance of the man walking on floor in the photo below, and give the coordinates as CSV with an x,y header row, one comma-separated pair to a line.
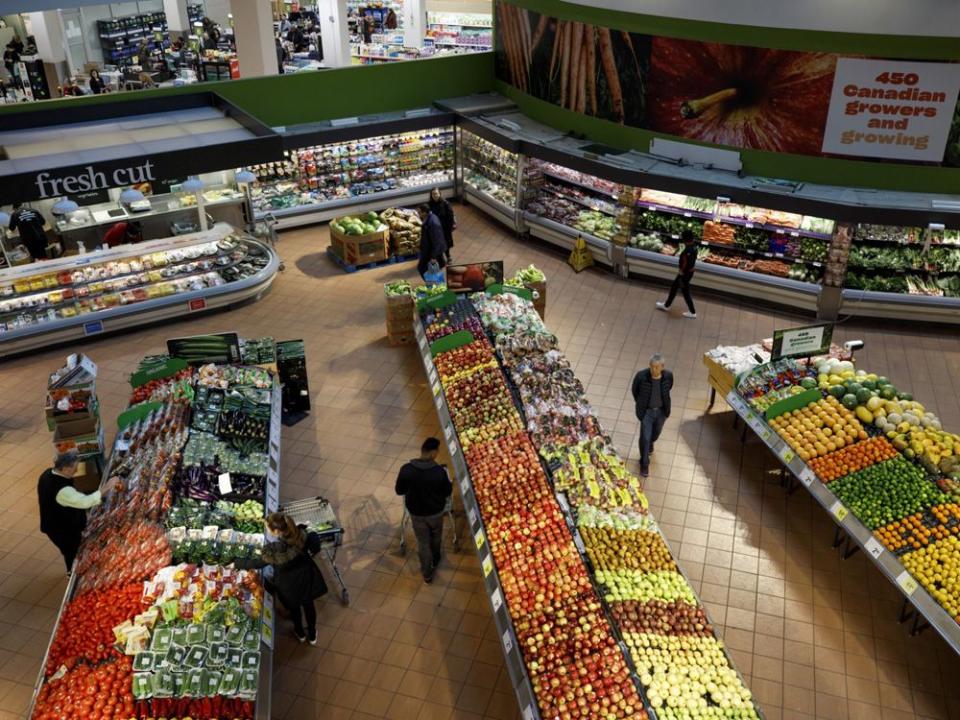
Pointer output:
x,y
688,260
425,488
651,393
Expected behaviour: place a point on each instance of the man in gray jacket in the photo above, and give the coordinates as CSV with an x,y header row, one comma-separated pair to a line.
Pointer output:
x,y
651,394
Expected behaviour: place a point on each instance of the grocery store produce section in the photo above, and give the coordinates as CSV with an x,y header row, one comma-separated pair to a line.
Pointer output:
x,y
877,460
595,617
155,622
315,178
81,295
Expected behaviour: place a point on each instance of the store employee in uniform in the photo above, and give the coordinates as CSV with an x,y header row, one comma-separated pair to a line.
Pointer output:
x,y
29,223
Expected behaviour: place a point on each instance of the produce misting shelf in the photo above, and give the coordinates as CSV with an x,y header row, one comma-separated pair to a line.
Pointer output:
x,y
267,621
856,532
508,639
900,306
565,236
497,209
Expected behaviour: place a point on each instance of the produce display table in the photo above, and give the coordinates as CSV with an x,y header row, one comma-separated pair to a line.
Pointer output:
x,y
853,534
152,575
581,582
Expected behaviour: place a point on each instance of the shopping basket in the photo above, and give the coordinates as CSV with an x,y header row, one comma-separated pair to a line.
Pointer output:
x,y
318,515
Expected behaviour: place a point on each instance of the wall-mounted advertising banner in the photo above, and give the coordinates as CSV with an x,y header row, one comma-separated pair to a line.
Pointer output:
x,y
737,96
891,109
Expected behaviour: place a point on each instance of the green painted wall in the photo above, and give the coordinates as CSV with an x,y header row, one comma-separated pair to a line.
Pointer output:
x,y
829,171
307,97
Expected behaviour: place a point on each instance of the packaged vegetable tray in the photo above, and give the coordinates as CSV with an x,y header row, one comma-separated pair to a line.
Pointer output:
x,y
229,682
196,656
142,686
162,640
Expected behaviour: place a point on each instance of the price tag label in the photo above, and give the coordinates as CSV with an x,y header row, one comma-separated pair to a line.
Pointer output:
x,y
765,434
223,481
686,215
839,511
472,515
816,264
432,373
507,641
487,566
453,450
806,476
464,485
436,388
778,255
479,539
905,580
528,713
448,432
496,599
786,454
423,343
874,547
438,401
794,233
122,445
749,226
266,634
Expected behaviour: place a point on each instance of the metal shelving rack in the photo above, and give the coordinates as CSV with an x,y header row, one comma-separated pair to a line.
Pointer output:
x,y
857,535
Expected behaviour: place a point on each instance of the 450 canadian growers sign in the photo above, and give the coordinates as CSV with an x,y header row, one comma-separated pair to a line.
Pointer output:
x,y
891,109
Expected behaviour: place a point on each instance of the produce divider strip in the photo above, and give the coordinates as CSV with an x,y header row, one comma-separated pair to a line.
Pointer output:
x,y
888,563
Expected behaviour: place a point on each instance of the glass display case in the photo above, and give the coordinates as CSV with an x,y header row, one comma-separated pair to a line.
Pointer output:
x,y
100,291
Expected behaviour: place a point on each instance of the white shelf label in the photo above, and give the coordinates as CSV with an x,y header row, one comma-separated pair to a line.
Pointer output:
x,y
496,599
448,432
423,343
464,485
749,226
806,476
438,401
786,453
839,511
905,580
794,233
487,565
528,713
471,515
223,481
874,547
436,388
507,641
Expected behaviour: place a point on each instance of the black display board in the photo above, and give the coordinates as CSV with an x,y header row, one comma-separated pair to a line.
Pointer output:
x,y
804,341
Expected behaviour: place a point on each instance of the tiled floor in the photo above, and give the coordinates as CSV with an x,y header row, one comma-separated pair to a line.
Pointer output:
x,y
814,635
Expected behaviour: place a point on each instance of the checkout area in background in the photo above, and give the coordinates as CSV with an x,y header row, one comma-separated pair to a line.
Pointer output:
x,y
146,211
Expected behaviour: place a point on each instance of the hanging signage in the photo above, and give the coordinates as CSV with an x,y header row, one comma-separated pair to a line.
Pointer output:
x,y
90,178
891,109
802,341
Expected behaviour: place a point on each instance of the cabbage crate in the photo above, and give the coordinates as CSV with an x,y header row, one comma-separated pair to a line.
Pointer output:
x,y
355,251
400,313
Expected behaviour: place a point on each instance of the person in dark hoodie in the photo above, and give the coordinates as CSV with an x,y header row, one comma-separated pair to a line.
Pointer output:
x,y
425,488
440,207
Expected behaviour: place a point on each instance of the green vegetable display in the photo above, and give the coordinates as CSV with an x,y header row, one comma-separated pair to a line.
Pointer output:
x,y
359,225
527,275
396,288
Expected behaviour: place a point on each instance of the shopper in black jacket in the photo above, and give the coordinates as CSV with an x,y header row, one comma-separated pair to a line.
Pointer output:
x,y
297,580
448,221
688,261
425,488
651,393
432,244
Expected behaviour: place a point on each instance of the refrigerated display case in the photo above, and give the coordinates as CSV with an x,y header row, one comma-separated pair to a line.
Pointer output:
x,y
491,177
472,31
317,182
82,295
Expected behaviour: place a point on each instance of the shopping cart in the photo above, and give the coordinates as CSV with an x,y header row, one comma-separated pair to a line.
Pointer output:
x,y
265,229
447,510
317,514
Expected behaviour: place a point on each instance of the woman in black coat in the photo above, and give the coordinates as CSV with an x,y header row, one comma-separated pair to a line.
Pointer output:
x,y
296,577
444,212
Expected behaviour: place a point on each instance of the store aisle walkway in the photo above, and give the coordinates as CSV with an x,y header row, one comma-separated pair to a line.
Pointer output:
x,y
816,637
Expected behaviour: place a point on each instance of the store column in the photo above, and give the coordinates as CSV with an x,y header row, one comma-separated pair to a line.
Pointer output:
x,y
333,32
253,29
414,23
47,31
178,20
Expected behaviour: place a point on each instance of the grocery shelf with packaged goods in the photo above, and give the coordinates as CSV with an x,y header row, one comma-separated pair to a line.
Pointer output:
x,y
156,621
874,458
597,555
791,239
82,295
367,167
490,176
465,30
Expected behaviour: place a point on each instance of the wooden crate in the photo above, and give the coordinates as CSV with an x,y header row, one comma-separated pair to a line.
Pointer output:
x,y
361,249
400,338
399,315
718,377
540,302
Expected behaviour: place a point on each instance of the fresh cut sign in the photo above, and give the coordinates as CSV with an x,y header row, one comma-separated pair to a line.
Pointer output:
x,y
892,109
92,179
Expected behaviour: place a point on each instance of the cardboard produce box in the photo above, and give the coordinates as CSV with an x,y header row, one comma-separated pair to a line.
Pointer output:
x,y
359,249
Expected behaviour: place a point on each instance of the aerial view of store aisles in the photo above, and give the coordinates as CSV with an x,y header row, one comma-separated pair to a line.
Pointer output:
x,y
471,360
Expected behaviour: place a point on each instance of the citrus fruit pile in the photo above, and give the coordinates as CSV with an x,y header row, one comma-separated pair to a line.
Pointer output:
x,y
920,529
819,428
851,458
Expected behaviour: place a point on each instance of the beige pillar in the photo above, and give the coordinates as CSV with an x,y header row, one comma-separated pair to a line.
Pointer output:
x,y
253,30
332,15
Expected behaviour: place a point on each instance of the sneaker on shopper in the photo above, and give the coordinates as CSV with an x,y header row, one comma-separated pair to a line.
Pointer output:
x,y
301,636
429,577
690,315
312,639
644,472
661,305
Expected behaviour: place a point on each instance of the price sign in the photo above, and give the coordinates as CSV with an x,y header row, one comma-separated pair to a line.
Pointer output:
x,y
266,634
816,264
423,343
453,450
196,304
874,547
839,511
472,515
528,713
478,539
786,454
806,476
905,580
686,215
436,388
448,432
464,485
496,599
749,226
223,481
487,566
765,434
122,445
266,628
432,374
438,401
794,233
507,641
93,328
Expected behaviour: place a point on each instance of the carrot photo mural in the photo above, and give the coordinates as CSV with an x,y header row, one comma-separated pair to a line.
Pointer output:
x,y
741,96
578,66
787,101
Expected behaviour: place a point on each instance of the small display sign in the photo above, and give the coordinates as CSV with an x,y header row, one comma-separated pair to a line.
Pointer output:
x,y
802,341
475,277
